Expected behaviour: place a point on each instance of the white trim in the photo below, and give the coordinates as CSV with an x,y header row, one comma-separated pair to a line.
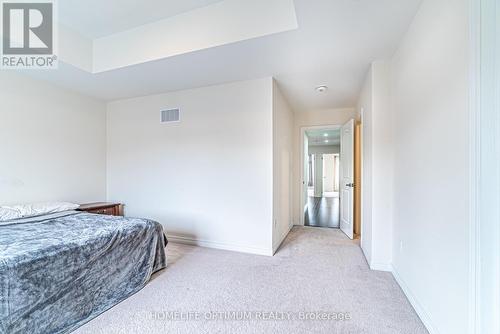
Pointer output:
x,y
303,129
421,312
218,245
474,108
380,266
485,22
362,238
282,238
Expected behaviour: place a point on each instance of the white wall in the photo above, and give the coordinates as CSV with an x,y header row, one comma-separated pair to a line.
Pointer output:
x,y
302,174
318,175
282,166
306,119
318,151
486,124
52,143
429,89
74,48
209,178
377,178
324,149
365,113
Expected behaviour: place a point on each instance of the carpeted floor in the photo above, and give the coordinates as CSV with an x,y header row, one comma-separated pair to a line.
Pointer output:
x,y
317,274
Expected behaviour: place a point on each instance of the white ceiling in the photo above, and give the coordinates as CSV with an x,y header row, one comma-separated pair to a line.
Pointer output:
x,y
323,137
99,18
334,45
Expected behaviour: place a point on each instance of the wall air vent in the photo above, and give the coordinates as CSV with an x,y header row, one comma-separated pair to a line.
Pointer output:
x,y
171,115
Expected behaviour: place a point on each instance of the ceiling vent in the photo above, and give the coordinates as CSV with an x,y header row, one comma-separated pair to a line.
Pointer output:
x,y
171,115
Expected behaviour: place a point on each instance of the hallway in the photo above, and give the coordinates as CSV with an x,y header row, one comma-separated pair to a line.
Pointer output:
x,y
322,212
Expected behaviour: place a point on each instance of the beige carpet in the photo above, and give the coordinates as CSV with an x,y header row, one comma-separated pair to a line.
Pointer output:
x,y
317,273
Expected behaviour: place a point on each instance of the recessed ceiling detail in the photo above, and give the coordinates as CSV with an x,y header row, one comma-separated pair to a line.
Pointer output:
x,y
221,23
99,18
334,44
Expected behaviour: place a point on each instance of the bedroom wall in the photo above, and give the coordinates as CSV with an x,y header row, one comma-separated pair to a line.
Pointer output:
x,y
429,89
377,171
305,119
52,143
365,114
208,178
282,166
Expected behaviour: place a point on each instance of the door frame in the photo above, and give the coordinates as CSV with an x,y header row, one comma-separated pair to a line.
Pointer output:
x,y
484,138
347,225
302,200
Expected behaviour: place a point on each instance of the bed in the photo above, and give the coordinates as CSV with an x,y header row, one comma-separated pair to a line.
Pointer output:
x,y
60,270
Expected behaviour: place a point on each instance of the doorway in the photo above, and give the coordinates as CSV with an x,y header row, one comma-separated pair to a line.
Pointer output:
x,y
323,170
331,177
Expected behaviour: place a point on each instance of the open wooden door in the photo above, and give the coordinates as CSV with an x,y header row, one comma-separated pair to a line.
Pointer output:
x,y
347,179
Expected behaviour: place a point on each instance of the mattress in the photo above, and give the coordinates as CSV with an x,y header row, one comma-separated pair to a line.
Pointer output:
x,y
59,271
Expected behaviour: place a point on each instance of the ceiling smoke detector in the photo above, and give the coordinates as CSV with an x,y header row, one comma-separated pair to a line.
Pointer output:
x,y
321,89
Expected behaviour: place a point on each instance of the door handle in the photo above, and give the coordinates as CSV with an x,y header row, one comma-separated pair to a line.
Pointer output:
x,y
350,185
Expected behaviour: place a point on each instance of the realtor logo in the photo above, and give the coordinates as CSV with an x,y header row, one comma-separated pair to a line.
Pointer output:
x,y
28,35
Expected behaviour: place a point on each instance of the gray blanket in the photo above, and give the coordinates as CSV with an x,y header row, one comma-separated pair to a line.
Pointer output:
x,y
58,272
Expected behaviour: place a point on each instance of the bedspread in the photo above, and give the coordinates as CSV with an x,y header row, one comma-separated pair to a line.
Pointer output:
x,y
58,272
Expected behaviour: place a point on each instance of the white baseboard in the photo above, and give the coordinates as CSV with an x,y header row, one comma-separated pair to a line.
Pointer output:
x,y
380,266
422,313
218,245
